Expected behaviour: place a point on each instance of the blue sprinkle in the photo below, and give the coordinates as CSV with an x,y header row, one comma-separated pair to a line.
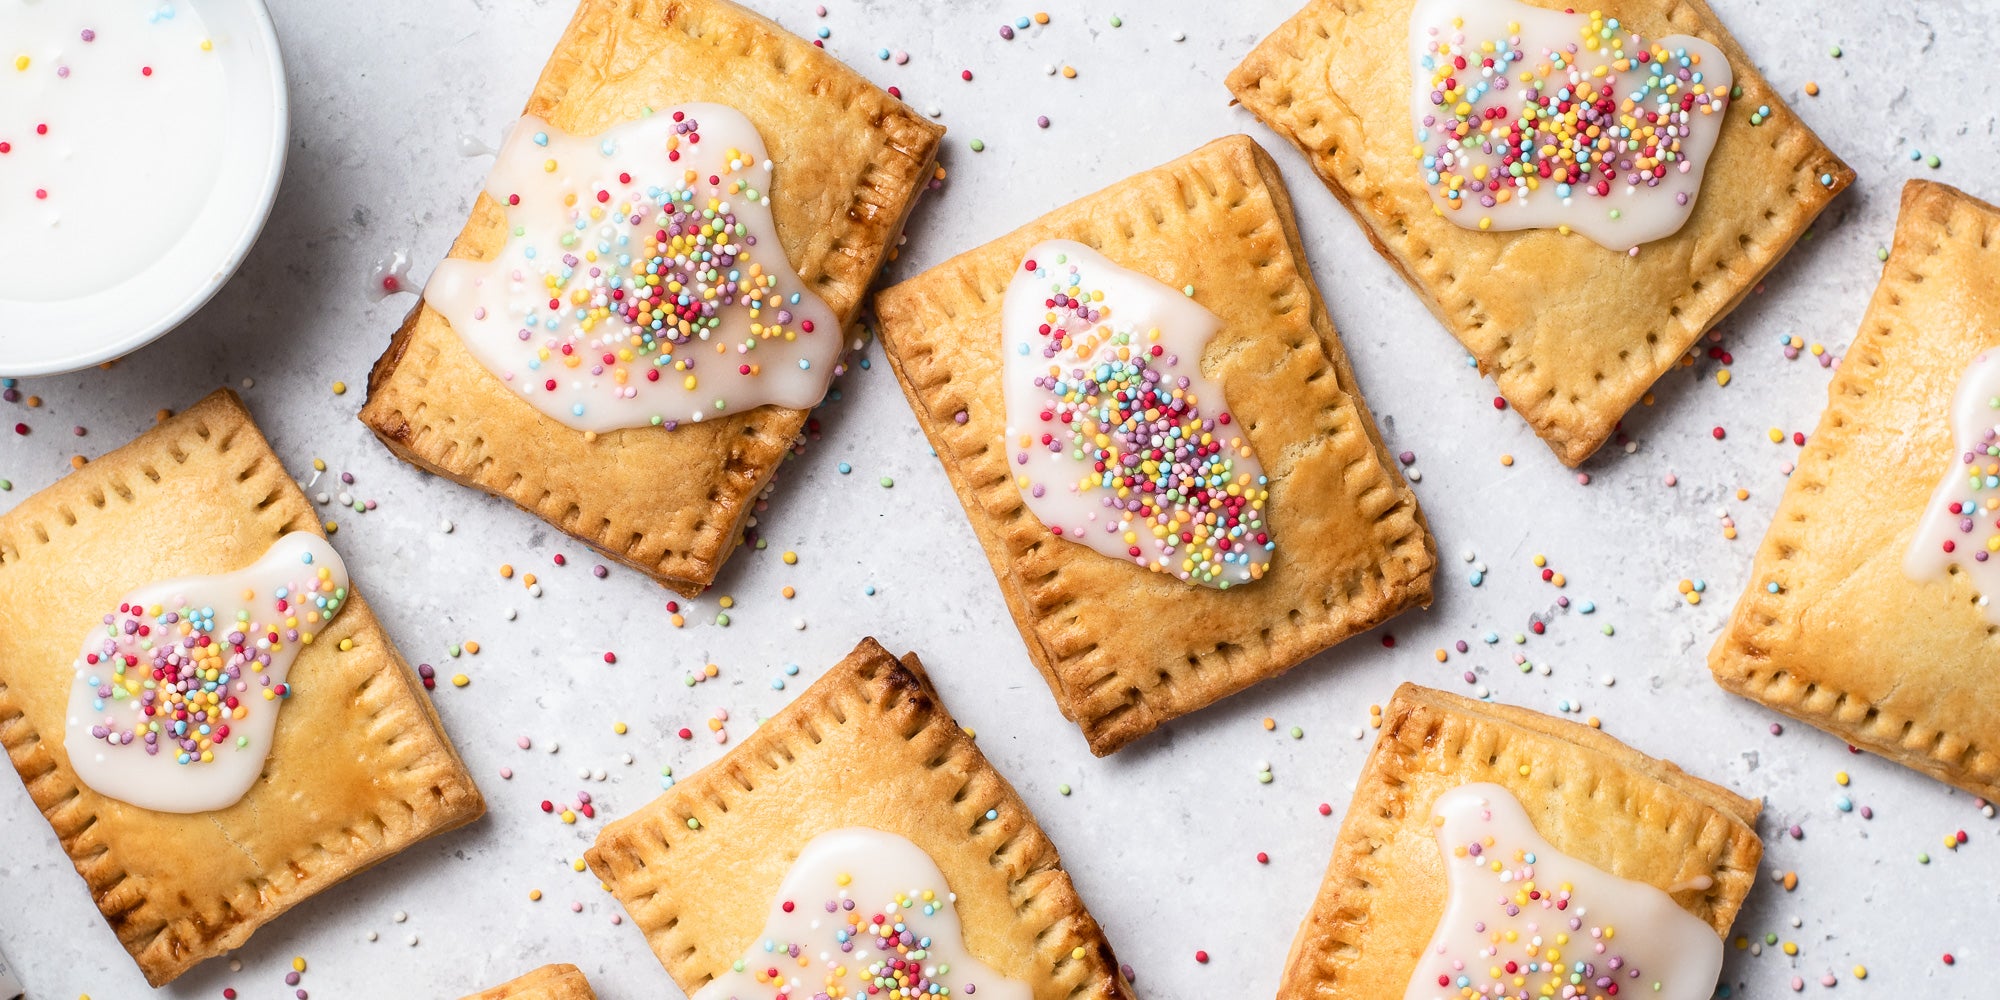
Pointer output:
x,y
791,670
845,468
823,32
869,590
992,814
1588,607
1476,578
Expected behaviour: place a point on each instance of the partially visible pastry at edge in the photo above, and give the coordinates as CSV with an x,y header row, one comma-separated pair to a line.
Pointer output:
x,y
1494,851
857,834
1577,196
550,982
650,293
1873,608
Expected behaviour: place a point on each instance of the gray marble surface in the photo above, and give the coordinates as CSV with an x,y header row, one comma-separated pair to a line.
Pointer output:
x,y
1162,839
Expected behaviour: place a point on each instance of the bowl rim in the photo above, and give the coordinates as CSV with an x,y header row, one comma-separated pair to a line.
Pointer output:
x,y
253,227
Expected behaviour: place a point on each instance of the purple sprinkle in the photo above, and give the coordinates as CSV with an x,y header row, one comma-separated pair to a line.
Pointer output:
x,y
89,35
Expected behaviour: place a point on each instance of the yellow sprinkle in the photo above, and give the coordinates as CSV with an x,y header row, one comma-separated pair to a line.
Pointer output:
x,y
299,964
460,680
569,816
319,465
1861,972
346,644
330,527
727,603
1524,770
577,865
1791,949
1540,560
20,62
1722,377
1840,778
1076,952
207,45
791,558
340,388
970,733
618,727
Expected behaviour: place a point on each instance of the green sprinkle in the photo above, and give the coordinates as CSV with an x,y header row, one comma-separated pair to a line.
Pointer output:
x,y
1834,52
7,485
1187,290
694,824
722,618
1297,733
1263,777
1922,858
887,483
455,650
1064,789
1607,630
1932,161
1117,22
1881,253
979,145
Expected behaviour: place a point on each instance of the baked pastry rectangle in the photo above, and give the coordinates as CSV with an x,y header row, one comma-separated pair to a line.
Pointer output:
x,y
868,745
1574,334
1125,649
1588,795
550,982
849,161
359,769
1847,641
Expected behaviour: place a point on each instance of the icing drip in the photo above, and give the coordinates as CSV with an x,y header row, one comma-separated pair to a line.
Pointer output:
x,y
1529,118
1117,438
642,282
1961,527
177,691
861,913
1525,920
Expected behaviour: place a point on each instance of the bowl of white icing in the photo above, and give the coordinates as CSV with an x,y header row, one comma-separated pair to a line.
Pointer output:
x,y
141,145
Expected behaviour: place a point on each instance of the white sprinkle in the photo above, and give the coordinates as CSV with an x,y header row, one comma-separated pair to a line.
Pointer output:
x,y
799,624
1468,555
625,757
413,940
583,774
597,775
1607,680
554,746
401,916
1416,475
512,614
248,382
446,526
1180,36
372,936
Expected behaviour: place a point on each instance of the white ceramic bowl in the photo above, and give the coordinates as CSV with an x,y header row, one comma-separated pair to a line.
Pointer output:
x,y
47,337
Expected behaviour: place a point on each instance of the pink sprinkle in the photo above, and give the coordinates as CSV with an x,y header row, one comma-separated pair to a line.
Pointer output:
x,y
524,743
506,774
1671,479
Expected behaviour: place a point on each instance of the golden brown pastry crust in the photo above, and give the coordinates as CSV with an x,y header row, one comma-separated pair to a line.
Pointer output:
x,y
550,982
1124,649
849,162
1571,353
1849,643
869,744
359,768
1589,795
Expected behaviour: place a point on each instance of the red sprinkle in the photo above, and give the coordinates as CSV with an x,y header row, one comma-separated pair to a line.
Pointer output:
x,y
1201,956
1718,433
611,657
1262,858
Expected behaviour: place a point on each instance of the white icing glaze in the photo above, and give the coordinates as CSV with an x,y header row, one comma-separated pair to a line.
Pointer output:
x,y
1961,527
554,314
1657,178
1062,423
1562,923
127,158
834,939
284,599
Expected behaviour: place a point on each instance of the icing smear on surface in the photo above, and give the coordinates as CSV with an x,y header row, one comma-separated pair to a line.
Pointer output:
x,y
1117,439
861,913
1525,920
177,690
1961,527
1530,118
642,282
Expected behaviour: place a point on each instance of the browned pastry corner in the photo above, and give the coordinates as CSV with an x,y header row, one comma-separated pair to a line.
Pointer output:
x,y
360,768
868,745
1590,796
1848,642
550,982
1353,549
849,163
1574,334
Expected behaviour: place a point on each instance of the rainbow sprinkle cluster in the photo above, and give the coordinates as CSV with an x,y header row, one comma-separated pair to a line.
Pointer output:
x,y
663,263
1979,511
1141,439
1536,963
184,679
865,952
1604,110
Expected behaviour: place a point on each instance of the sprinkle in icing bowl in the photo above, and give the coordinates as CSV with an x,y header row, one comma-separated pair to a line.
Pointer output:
x,y
158,128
